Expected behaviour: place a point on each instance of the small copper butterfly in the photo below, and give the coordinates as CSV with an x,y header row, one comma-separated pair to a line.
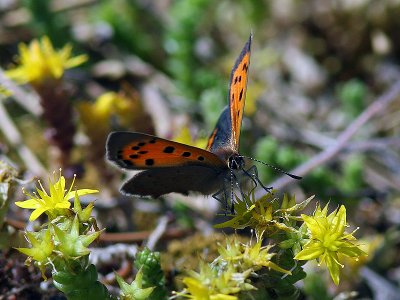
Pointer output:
x,y
174,167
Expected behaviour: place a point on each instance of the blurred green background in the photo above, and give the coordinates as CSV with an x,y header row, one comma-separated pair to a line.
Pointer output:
x,y
315,67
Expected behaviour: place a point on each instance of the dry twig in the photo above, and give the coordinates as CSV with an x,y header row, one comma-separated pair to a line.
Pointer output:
x,y
11,132
376,107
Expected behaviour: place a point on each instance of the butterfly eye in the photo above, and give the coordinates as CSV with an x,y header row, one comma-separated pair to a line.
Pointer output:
x,y
235,162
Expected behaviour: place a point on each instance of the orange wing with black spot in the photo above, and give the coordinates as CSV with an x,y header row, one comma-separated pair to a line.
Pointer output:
x,y
237,92
139,151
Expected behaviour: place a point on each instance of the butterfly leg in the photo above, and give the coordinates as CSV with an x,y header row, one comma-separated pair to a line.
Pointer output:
x,y
238,186
222,197
254,174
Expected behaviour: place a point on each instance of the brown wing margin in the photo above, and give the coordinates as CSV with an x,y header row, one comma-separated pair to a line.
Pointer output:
x,y
237,91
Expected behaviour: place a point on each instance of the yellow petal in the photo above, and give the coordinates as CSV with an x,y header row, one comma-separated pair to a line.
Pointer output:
x,y
76,61
64,204
80,192
196,288
311,252
36,213
31,203
222,297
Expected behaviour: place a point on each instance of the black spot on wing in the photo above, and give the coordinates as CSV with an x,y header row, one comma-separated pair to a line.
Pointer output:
x,y
186,154
169,149
149,162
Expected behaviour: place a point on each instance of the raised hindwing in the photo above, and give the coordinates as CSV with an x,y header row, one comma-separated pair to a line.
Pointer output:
x,y
237,92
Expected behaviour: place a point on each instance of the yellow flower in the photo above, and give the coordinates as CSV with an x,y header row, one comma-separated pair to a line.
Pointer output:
x,y
185,137
328,240
265,215
249,257
53,202
40,61
96,116
211,284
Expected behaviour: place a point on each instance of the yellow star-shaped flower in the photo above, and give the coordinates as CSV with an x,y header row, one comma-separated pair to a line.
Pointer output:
x,y
40,61
54,201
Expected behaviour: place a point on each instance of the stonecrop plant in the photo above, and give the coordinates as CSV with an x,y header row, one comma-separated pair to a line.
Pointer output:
x,y
252,271
266,266
61,244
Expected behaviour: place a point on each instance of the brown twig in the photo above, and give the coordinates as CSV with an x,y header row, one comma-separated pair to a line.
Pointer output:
x,y
139,236
376,107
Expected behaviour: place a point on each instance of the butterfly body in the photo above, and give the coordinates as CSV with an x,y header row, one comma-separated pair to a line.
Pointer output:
x,y
168,166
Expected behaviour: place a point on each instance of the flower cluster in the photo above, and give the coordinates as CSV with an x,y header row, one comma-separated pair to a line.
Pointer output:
x,y
328,239
293,236
231,273
68,232
39,61
53,203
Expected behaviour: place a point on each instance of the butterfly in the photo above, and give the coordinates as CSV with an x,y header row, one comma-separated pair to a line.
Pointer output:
x,y
168,166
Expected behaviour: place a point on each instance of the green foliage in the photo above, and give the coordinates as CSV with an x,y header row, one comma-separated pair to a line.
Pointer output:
x,y
180,43
134,28
352,96
153,275
318,179
79,283
269,150
212,102
315,287
182,214
352,174
46,22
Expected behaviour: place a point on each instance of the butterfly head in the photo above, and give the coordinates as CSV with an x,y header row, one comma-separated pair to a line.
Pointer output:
x,y
235,162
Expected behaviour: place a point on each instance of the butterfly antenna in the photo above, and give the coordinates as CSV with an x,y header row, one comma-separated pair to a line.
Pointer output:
x,y
273,167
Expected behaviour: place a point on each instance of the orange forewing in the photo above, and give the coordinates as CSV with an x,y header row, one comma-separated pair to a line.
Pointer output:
x,y
237,92
211,139
142,151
